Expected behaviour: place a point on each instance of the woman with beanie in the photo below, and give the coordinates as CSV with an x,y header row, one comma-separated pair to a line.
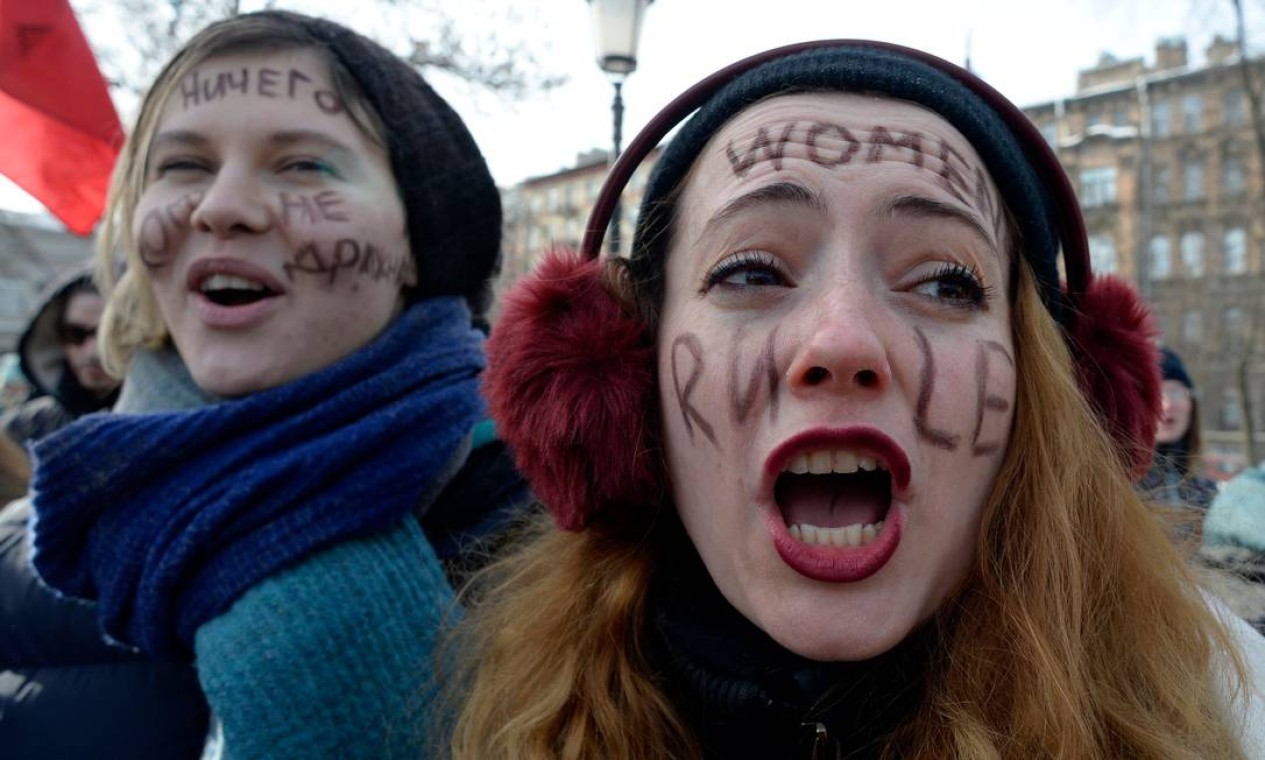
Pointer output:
x,y
1173,478
836,468
300,444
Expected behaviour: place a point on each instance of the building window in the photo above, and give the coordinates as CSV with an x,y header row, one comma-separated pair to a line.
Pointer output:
x,y
1193,179
1119,116
1234,250
1233,325
1232,107
1161,184
1232,178
1102,254
1161,250
1192,114
1231,409
1193,327
1094,120
1098,186
1193,254
1161,118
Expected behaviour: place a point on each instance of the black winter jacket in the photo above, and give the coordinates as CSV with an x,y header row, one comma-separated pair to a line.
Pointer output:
x,y
65,692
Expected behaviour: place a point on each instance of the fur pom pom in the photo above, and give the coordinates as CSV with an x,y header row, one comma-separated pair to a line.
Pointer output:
x,y
1117,361
569,383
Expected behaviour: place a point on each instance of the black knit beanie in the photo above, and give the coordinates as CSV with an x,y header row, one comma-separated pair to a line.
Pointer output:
x,y
996,130
452,205
1172,367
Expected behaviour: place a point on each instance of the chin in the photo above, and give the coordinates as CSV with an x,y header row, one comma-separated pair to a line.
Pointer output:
x,y
231,381
835,645
835,630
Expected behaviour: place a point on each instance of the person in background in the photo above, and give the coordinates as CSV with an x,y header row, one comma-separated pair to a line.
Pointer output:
x,y
1173,478
837,468
300,450
61,358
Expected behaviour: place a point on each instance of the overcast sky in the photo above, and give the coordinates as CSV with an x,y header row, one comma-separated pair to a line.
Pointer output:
x,y
1028,49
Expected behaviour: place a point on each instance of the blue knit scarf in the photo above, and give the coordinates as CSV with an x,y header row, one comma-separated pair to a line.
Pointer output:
x,y
167,518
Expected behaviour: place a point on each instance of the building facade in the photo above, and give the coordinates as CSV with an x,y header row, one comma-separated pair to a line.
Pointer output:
x,y
1165,161
552,210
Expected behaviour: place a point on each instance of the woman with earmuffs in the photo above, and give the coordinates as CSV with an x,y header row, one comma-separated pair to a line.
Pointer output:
x,y
836,467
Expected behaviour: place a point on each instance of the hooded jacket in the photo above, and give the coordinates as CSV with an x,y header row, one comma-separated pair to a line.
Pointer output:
x,y
58,396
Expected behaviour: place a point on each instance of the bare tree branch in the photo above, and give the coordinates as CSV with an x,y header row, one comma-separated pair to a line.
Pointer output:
x,y
1252,86
485,56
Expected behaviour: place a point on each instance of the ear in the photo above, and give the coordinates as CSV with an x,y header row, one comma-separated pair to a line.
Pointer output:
x,y
1118,365
571,382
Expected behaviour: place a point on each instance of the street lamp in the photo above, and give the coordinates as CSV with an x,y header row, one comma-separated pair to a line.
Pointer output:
x,y
617,28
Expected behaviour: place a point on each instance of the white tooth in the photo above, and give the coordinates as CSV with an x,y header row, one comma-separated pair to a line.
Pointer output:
x,y
799,464
878,527
838,537
795,534
226,281
854,534
808,534
866,463
819,462
845,462
868,534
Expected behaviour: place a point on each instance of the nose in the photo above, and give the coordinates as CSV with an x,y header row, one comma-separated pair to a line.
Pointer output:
x,y
232,205
842,349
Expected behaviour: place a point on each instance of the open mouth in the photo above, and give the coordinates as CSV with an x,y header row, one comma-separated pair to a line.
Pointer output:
x,y
834,497
231,290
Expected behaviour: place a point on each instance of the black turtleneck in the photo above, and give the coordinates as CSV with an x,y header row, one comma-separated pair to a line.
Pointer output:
x,y
744,695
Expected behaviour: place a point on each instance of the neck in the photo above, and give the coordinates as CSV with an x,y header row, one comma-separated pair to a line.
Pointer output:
x,y
158,381
739,686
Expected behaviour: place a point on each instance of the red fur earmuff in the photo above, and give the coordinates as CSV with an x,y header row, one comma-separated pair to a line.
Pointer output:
x,y
569,382
1117,363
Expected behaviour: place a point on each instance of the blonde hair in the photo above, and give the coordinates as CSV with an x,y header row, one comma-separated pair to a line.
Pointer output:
x,y
131,319
1078,633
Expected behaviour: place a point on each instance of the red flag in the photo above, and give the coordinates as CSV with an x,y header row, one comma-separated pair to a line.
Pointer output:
x,y
59,132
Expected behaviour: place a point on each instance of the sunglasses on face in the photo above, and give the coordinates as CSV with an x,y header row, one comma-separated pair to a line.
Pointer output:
x,y
75,335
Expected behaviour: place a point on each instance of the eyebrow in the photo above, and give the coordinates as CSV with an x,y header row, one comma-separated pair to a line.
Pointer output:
x,y
292,136
179,137
922,207
776,194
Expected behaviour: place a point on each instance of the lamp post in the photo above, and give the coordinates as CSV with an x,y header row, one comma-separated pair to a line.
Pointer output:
x,y
617,28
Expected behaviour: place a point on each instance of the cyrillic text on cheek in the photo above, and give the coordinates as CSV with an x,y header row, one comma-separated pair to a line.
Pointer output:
x,y
331,249
162,227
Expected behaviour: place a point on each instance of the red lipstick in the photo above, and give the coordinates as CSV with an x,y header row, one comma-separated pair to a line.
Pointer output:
x,y
833,564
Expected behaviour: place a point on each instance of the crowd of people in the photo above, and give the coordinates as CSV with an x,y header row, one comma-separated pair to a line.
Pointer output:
x,y
854,456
